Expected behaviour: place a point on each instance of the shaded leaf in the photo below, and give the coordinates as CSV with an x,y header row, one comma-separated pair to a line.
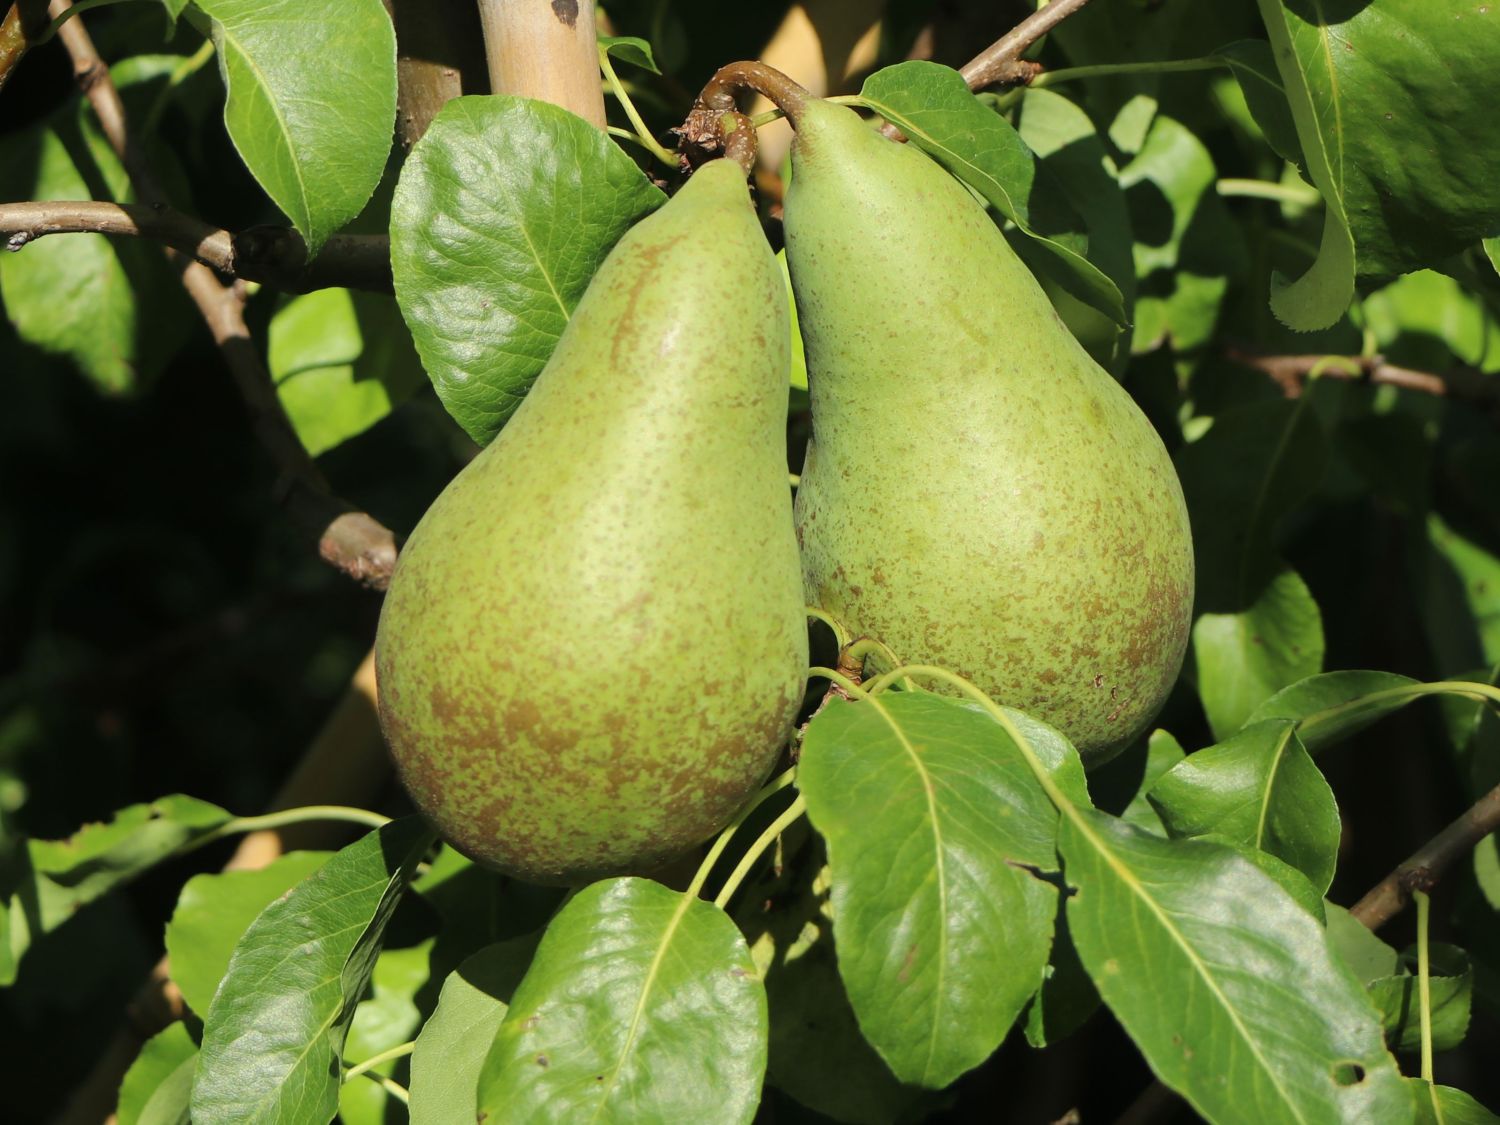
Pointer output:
x,y
932,105
932,820
1443,1105
1334,706
1258,790
504,210
1366,955
1242,659
1225,984
1450,987
341,361
311,104
46,882
632,988
387,1017
157,1086
452,1046
213,911
628,48
275,1032
1254,67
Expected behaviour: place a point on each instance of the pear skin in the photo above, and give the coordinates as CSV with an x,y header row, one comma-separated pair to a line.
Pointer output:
x,y
978,493
593,646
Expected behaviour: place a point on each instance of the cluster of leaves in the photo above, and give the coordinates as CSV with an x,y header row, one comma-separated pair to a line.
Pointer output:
x,y
972,879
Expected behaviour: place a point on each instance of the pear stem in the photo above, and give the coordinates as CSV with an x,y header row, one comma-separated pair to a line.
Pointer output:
x,y
740,143
786,94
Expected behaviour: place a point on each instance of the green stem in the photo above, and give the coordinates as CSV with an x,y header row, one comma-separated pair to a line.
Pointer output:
x,y
642,133
294,816
764,841
794,479
837,677
865,645
1296,194
391,1087
1109,70
840,634
77,8
397,1052
1484,692
775,785
180,74
1424,981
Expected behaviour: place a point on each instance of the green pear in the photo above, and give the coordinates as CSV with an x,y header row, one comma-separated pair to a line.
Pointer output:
x,y
594,642
978,493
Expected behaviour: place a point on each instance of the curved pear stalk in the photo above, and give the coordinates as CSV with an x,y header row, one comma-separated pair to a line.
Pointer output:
x,y
593,647
978,493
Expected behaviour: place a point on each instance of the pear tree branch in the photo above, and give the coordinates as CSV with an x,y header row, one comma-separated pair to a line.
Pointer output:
x,y
1291,373
1001,62
349,540
22,22
275,256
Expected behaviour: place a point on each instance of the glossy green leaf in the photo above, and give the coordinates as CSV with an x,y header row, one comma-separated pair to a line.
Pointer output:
x,y
629,48
275,1032
1443,1105
932,819
1336,705
504,210
157,1086
1367,956
1186,247
311,104
1259,790
1297,885
113,307
1225,984
213,911
451,1049
1451,990
387,1017
1254,465
1392,106
341,361
1242,659
632,988
932,105
46,882
1070,148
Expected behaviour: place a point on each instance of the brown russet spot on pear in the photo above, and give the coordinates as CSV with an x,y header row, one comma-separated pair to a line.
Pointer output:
x,y
624,539
978,492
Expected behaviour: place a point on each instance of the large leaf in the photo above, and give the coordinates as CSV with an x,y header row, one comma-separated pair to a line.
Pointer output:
x,y
641,1004
214,911
311,102
45,882
1225,984
157,1086
1443,1105
341,361
1259,790
933,822
1392,102
934,108
455,1040
1242,659
275,1032
1335,705
505,209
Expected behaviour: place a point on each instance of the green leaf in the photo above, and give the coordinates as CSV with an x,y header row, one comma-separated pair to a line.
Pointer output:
x,y
1366,955
1254,465
113,307
341,360
1451,989
1163,751
1067,997
1070,149
1225,984
1254,67
632,988
932,105
311,103
387,1017
504,210
1463,586
46,882
1259,790
797,377
1426,308
1297,885
451,1049
1336,705
933,821
157,1086
1186,246
1242,659
213,912
627,48
1443,1105
275,1032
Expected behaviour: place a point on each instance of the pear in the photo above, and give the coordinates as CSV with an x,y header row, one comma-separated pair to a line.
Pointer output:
x,y
978,493
594,643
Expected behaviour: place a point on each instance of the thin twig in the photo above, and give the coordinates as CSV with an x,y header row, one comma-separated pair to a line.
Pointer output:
x,y
347,539
1001,61
275,256
1426,865
1291,373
